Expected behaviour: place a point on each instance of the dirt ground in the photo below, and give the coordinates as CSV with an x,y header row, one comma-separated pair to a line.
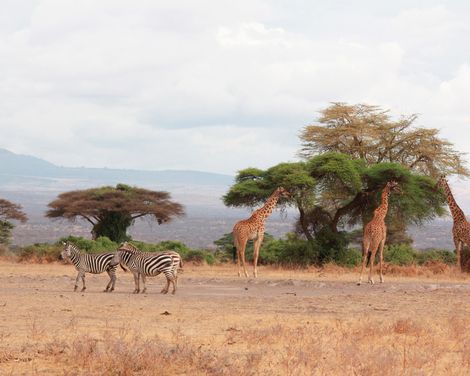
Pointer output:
x,y
287,322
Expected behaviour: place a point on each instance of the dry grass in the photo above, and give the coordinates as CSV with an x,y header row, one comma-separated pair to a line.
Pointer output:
x,y
331,347
288,322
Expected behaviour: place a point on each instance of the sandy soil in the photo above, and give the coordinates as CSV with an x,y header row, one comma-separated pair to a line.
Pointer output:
x,y
215,310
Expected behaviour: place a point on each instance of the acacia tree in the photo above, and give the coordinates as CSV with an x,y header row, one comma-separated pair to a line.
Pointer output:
x,y
332,191
369,133
9,211
253,186
111,210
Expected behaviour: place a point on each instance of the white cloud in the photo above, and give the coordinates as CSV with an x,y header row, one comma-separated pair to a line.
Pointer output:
x,y
217,86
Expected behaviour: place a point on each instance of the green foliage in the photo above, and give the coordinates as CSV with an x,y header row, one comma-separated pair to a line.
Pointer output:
x,y
290,251
338,170
442,255
113,225
399,254
349,257
40,252
101,244
5,232
331,244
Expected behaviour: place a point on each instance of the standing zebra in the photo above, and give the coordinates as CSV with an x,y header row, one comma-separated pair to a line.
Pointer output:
x,y
146,264
86,263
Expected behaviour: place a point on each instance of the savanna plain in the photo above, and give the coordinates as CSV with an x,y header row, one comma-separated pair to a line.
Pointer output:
x,y
286,322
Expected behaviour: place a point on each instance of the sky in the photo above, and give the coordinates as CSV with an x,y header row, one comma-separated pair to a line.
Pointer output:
x,y
219,85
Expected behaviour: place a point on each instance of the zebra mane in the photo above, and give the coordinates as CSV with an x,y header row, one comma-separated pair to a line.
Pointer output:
x,y
129,247
72,246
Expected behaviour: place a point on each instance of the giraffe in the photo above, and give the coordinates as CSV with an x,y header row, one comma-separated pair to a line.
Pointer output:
x,y
375,233
461,228
253,229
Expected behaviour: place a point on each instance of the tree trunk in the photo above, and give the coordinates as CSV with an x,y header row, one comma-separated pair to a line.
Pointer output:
x,y
304,225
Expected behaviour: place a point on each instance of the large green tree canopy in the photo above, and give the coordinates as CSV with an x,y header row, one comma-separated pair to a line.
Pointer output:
x,y
335,190
369,133
9,211
111,210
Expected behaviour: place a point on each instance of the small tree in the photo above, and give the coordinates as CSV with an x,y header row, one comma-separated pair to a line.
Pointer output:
x,y
9,211
112,210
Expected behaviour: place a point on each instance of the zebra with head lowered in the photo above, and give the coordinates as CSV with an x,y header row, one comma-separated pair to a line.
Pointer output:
x,y
88,263
143,264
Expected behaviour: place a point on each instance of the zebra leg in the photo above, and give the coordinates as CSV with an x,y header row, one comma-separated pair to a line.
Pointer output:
x,y
76,281
136,282
83,281
143,282
112,275
169,277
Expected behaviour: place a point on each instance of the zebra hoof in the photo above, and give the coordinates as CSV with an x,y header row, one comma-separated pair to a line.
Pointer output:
x,y
75,288
136,292
83,289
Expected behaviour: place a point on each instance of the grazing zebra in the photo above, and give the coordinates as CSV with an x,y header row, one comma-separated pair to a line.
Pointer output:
x,y
145,264
87,263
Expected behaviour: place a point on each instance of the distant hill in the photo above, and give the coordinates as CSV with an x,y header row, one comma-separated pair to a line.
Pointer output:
x,y
18,169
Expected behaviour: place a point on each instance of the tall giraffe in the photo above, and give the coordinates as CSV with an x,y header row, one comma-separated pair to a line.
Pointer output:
x,y
253,229
461,228
375,233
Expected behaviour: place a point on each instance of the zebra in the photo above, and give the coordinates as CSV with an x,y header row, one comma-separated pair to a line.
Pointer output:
x,y
175,256
87,263
143,264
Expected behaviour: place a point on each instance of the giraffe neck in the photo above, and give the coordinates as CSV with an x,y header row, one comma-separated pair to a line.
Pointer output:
x,y
381,210
266,210
457,213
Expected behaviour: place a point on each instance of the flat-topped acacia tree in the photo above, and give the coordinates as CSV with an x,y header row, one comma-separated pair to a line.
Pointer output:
x,y
9,211
112,210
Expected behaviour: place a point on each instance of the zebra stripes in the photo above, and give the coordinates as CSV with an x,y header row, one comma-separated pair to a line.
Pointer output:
x,y
144,264
87,263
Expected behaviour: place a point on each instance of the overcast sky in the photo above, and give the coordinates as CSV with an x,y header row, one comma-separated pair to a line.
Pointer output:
x,y
219,85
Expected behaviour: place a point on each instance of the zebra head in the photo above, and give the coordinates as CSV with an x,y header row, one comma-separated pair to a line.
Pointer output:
x,y
68,251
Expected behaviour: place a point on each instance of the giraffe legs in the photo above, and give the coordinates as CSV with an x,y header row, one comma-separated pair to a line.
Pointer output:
x,y
257,245
371,270
458,248
241,246
381,257
365,252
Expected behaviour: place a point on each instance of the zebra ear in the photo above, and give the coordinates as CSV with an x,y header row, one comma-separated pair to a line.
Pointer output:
x,y
64,243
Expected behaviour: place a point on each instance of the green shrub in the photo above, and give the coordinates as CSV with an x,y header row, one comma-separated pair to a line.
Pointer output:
x,y
442,255
331,245
292,251
400,254
348,257
40,251
101,244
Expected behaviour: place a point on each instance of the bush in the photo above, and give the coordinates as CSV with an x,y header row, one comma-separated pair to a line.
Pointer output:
x,y
399,254
331,245
40,252
442,255
348,257
292,251
200,256
101,244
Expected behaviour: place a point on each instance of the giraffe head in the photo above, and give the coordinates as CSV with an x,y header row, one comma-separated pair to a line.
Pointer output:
x,y
282,192
441,183
393,186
